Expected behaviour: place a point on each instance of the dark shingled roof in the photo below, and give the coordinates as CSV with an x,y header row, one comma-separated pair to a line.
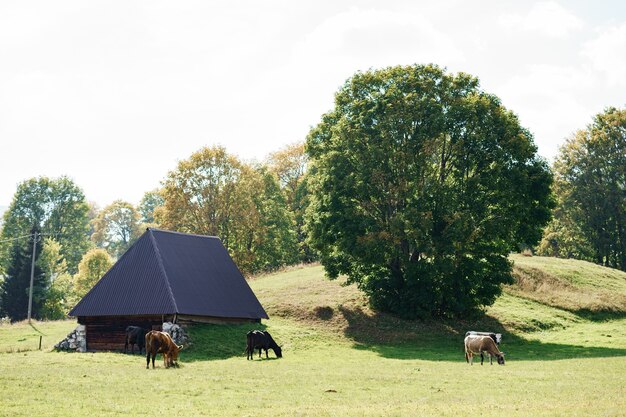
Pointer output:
x,y
168,272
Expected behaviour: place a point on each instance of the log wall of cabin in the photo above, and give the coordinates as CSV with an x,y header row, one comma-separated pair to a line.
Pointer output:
x,y
107,333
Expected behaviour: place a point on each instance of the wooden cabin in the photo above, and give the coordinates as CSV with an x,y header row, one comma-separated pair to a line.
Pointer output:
x,y
166,276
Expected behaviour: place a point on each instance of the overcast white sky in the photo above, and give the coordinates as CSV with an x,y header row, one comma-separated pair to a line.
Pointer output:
x,y
114,93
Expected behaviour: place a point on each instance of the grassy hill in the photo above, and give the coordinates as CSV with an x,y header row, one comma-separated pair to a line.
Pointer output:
x,y
567,297
577,286
564,334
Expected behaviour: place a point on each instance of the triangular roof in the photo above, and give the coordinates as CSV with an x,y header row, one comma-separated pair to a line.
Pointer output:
x,y
169,272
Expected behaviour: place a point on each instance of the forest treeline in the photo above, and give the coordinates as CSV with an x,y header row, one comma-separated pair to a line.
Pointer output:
x,y
416,186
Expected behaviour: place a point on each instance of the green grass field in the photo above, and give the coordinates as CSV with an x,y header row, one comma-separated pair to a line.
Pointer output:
x,y
566,356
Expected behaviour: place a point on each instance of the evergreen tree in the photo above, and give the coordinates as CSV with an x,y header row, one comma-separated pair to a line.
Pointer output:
x,y
16,284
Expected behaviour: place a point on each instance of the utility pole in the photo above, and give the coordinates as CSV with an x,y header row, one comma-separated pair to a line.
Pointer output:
x,y
32,277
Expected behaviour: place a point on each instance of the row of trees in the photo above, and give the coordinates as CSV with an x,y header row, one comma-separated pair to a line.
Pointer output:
x,y
418,186
256,209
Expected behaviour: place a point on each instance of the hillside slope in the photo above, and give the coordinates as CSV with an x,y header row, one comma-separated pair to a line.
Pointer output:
x,y
569,284
339,358
558,308
561,297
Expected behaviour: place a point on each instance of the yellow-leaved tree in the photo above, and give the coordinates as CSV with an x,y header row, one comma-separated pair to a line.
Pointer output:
x,y
91,268
214,193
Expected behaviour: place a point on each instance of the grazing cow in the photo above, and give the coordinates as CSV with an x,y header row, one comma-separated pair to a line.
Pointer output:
x,y
161,342
257,339
479,344
134,335
497,337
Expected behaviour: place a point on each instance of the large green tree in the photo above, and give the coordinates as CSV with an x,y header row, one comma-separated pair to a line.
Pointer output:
x,y
58,208
421,185
590,177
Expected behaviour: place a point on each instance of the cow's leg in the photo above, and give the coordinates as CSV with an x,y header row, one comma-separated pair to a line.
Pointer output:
x,y
260,353
266,355
147,359
482,357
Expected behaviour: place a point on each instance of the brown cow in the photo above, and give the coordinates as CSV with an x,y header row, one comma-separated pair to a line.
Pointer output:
x,y
475,345
161,342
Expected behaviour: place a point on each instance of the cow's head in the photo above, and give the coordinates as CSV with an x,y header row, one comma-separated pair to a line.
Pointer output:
x,y
278,351
500,358
173,355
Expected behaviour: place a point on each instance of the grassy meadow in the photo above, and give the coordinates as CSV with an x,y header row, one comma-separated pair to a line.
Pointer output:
x,y
564,329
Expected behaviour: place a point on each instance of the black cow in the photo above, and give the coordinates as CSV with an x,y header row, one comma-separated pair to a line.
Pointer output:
x,y
134,335
257,339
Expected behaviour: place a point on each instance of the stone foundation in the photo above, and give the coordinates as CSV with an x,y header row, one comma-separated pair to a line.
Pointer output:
x,y
76,341
178,334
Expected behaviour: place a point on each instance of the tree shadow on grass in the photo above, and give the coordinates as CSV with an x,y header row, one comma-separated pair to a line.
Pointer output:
x,y
395,338
218,341
600,316
209,342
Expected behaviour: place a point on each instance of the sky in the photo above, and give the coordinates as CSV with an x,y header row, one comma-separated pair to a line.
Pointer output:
x,y
114,93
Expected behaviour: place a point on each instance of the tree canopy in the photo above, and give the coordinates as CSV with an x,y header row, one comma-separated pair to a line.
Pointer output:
x,y
92,267
150,201
290,166
57,208
214,193
117,227
590,182
421,183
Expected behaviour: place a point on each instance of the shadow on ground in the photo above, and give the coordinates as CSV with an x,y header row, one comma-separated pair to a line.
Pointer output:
x,y
395,338
390,337
219,341
600,316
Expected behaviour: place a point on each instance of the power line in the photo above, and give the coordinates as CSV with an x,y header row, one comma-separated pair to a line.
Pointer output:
x,y
15,238
30,235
